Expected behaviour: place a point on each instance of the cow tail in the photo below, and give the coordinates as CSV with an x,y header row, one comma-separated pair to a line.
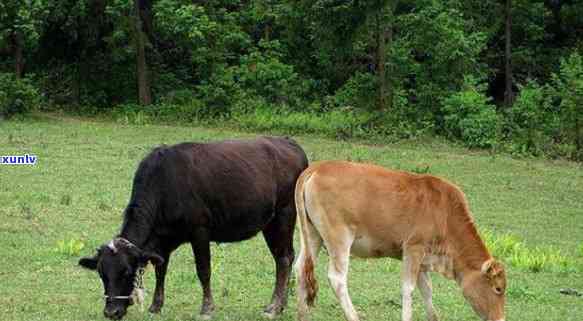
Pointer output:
x,y
307,283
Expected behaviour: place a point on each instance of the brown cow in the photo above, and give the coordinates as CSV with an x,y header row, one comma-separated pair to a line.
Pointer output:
x,y
370,211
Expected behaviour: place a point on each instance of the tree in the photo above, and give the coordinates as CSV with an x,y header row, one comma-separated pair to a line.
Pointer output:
x,y
353,37
385,24
144,90
509,92
20,24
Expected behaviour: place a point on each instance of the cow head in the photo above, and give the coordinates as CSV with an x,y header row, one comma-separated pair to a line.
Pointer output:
x,y
485,290
118,263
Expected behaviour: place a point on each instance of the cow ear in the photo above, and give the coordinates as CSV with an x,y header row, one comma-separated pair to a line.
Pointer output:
x,y
487,267
492,268
153,258
89,262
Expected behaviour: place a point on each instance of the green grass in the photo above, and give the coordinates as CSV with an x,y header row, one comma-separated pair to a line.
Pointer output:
x,y
75,195
534,259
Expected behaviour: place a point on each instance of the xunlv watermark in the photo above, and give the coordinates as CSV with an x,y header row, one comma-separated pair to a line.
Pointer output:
x,y
18,159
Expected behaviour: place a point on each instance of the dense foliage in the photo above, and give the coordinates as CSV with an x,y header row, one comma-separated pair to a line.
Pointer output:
x,y
344,68
17,96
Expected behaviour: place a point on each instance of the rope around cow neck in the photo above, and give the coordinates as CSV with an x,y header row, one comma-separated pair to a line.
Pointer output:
x,y
139,292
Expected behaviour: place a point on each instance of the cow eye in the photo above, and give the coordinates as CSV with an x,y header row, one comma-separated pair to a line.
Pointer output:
x,y
498,290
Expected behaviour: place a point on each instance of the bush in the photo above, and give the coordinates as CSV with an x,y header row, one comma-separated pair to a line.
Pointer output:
x,y
471,117
529,122
219,93
17,96
177,97
402,121
181,106
131,114
568,86
360,91
264,75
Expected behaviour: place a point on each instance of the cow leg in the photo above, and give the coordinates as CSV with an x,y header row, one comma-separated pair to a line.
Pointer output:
x,y
412,258
202,257
279,237
158,300
339,252
424,284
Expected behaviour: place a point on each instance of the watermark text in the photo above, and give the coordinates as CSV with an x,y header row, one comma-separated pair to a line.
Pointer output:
x,y
25,159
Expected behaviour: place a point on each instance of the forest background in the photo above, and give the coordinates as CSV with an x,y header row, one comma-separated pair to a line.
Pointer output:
x,y
499,75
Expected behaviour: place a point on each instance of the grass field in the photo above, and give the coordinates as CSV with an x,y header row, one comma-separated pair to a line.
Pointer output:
x,y
82,180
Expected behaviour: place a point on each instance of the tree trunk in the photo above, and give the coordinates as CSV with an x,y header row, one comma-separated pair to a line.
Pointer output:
x,y
381,60
390,76
385,36
76,84
508,93
81,77
267,32
144,95
148,21
17,50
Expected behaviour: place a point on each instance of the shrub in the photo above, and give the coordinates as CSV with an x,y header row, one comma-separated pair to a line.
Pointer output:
x,y
17,96
219,93
470,116
131,114
568,86
181,113
529,121
177,97
180,106
265,75
359,92
401,121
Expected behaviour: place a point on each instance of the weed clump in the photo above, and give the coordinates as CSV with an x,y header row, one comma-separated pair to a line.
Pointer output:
x,y
538,259
71,247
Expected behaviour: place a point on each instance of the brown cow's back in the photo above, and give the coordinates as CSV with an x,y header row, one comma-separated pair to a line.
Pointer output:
x,y
384,208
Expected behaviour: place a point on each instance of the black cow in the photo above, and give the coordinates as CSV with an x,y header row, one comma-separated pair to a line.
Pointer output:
x,y
222,192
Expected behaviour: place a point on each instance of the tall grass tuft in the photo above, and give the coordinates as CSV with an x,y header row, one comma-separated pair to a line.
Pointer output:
x,y
501,246
71,247
538,259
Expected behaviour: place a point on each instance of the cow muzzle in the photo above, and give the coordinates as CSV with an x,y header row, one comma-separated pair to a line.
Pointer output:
x,y
115,312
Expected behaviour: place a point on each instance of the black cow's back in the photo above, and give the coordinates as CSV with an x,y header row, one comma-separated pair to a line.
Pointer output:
x,y
231,189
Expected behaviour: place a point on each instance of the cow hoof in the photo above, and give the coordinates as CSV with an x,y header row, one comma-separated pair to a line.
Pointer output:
x,y
205,316
272,311
155,309
270,315
206,311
